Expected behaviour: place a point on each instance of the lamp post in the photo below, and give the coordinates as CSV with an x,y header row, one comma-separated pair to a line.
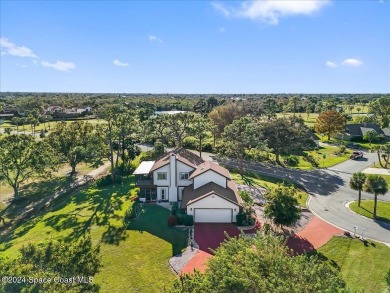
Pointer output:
x,y
364,229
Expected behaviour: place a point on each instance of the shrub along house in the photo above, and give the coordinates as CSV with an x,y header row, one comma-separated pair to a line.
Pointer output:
x,y
203,189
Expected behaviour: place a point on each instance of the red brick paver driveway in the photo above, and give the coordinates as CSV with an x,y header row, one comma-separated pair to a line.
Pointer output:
x,y
313,236
208,236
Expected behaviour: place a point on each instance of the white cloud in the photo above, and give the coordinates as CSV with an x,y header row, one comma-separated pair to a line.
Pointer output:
x,y
119,63
270,11
352,62
330,64
155,39
14,50
222,8
60,65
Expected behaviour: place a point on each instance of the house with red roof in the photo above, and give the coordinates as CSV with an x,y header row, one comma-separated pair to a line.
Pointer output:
x,y
203,189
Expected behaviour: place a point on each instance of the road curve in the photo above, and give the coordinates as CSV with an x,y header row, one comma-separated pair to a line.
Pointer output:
x,y
329,194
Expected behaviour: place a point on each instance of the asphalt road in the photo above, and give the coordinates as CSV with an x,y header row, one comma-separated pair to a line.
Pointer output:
x,y
332,208
330,193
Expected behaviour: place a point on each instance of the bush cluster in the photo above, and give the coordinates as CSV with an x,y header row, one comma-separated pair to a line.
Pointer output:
x,y
107,180
291,160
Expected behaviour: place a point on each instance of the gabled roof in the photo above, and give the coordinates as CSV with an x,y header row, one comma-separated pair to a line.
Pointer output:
x,y
191,195
182,155
362,128
206,166
386,131
354,129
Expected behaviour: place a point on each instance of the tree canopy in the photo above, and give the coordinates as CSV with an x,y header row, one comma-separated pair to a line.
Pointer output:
x,y
76,142
53,260
357,182
239,137
284,135
282,206
260,264
22,158
380,108
330,123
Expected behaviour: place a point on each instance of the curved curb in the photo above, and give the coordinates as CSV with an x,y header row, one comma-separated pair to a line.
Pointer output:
x,y
376,240
367,218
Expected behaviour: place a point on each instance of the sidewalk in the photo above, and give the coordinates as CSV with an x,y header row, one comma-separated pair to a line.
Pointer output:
x,y
379,171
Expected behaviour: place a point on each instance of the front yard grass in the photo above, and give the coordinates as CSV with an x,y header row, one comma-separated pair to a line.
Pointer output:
x,y
367,207
363,264
330,159
134,259
387,178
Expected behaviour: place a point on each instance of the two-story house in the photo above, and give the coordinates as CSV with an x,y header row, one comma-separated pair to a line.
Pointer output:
x,y
203,189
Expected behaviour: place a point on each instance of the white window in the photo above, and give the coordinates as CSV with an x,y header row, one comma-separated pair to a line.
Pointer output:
x,y
161,175
184,176
163,191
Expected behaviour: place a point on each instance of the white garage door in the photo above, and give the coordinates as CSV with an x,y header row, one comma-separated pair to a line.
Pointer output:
x,y
213,215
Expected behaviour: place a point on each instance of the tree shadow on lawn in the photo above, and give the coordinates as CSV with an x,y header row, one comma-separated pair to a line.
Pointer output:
x,y
154,221
322,257
33,192
93,206
383,222
98,207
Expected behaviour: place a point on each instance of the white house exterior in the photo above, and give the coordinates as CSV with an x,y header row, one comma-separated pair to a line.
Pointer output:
x,y
203,189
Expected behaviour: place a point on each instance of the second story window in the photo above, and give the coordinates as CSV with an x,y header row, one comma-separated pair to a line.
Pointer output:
x,y
184,176
161,175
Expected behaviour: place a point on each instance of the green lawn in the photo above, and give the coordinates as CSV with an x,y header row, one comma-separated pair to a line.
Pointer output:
x,y
134,259
267,182
330,159
36,189
49,125
367,206
387,178
363,265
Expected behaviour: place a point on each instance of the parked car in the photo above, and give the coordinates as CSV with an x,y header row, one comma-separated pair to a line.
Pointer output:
x,y
356,155
354,146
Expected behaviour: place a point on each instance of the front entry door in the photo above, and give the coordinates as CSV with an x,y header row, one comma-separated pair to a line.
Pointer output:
x,y
163,194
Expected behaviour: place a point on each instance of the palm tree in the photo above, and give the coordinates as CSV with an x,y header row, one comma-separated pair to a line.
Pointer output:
x,y
358,110
375,184
378,150
16,121
357,182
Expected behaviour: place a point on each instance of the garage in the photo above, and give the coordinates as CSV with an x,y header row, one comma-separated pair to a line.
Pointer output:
x,y
213,215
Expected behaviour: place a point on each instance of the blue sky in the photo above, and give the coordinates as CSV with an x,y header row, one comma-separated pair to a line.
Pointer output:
x,y
195,46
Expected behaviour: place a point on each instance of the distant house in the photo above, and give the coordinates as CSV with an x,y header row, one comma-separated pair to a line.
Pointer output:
x,y
203,189
357,131
60,112
55,109
9,113
386,132
173,112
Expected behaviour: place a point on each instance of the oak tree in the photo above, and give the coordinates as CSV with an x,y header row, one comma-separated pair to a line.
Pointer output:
x,y
23,158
